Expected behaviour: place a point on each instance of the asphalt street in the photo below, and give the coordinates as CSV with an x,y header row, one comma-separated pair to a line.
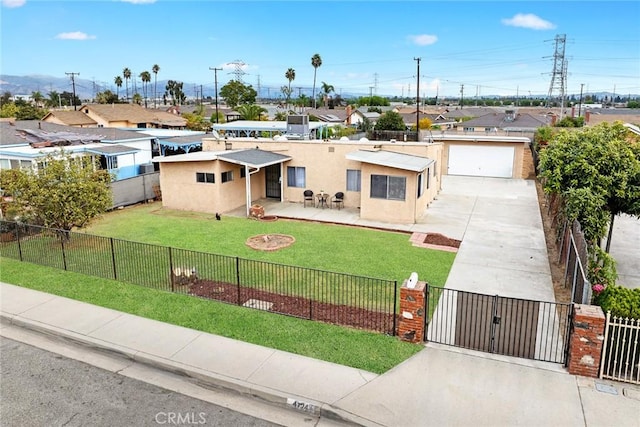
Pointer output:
x,y
39,388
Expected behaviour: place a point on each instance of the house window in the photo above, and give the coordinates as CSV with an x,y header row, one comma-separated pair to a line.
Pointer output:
x,y
243,172
428,178
353,180
296,176
227,176
209,178
469,129
421,183
388,187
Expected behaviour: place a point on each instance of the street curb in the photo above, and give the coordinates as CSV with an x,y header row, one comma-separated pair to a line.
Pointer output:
x,y
199,376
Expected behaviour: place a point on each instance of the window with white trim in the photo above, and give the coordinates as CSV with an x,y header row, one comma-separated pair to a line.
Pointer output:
x,y
227,176
353,179
205,177
388,187
296,176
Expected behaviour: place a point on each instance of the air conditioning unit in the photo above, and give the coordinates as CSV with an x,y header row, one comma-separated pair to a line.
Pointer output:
x,y
146,168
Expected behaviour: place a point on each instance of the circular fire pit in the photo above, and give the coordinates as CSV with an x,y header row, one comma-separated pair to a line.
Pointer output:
x,y
270,242
269,218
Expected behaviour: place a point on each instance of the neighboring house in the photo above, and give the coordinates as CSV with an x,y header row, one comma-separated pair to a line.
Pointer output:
x,y
437,120
70,118
125,154
332,116
124,116
357,116
508,122
596,116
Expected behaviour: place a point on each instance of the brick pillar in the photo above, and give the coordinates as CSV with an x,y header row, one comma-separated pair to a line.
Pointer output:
x,y
586,340
411,324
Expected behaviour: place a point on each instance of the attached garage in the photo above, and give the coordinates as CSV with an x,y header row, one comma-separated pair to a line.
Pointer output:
x,y
475,160
485,155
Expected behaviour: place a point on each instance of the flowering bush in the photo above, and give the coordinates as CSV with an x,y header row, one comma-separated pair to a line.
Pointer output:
x,y
597,288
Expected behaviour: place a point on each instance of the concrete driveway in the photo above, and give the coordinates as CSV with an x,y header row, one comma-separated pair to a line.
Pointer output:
x,y
625,249
503,248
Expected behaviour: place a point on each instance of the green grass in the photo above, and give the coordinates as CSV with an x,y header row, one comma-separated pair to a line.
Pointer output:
x,y
343,249
350,347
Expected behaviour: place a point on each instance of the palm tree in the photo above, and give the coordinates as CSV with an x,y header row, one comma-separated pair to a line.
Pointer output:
x,y
316,61
126,73
145,76
37,98
250,111
118,82
155,70
291,76
326,90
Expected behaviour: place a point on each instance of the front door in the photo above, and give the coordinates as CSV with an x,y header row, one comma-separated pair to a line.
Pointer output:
x,y
272,179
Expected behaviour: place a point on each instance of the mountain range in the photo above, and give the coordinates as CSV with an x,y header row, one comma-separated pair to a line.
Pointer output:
x,y
86,88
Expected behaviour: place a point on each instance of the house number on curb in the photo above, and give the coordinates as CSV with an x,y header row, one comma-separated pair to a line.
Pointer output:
x,y
302,406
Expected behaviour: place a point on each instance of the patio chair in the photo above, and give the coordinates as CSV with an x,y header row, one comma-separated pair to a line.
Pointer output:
x,y
338,200
308,197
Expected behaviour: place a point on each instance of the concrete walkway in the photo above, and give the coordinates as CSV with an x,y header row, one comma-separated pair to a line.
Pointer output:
x,y
439,386
625,249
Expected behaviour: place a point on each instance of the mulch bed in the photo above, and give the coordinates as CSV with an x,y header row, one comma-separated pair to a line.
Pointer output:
x,y
295,306
441,240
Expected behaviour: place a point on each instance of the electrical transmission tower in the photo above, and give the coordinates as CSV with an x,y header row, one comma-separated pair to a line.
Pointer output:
x,y
559,73
238,71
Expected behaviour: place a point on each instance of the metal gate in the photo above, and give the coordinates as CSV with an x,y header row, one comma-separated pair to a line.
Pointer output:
x,y
517,327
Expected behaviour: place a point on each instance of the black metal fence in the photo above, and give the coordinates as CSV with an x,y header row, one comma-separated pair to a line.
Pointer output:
x,y
531,329
573,251
344,299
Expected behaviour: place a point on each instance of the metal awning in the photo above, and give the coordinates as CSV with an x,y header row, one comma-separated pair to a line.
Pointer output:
x,y
254,158
391,159
112,150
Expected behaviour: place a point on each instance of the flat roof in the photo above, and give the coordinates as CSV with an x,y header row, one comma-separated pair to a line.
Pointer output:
x,y
255,157
391,159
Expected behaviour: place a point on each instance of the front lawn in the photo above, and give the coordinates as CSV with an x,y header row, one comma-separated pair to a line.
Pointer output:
x,y
350,347
339,248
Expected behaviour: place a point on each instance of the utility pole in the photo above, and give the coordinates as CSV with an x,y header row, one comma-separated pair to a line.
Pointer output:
x,y
418,101
73,84
461,96
580,103
215,72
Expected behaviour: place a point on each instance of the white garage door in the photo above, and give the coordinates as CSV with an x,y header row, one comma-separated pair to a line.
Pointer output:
x,y
477,160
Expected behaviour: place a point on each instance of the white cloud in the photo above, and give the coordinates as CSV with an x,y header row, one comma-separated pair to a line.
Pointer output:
x,y
423,39
139,1
13,3
528,20
76,35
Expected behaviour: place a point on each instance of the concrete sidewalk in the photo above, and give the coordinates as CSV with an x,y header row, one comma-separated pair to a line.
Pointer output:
x,y
438,386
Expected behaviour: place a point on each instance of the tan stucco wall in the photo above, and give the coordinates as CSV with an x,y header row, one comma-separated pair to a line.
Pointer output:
x,y
326,167
181,191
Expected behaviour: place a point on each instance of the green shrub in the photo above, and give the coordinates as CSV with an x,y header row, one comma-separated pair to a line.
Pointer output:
x,y
622,302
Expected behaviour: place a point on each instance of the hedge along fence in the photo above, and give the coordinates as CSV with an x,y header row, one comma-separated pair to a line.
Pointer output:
x,y
313,294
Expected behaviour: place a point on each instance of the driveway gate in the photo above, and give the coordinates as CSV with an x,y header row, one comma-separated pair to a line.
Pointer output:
x,y
530,329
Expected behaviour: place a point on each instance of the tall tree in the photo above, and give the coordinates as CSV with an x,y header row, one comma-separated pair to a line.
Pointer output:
x,y
155,70
68,192
37,98
174,90
251,111
236,93
326,90
118,82
291,76
126,73
316,62
145,76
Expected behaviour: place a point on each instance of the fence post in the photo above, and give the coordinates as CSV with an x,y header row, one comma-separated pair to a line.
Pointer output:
x,y
395,307
171,275
412,313
18,238
238,278
586,340
64,255
113,259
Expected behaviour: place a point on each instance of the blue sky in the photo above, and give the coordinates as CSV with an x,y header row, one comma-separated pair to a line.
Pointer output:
x,y
500,47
